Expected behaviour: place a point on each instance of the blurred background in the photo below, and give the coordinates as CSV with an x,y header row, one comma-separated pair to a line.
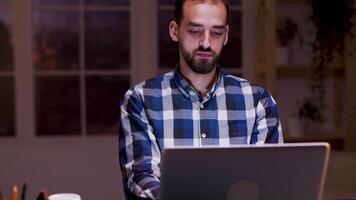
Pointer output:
x,y
65,65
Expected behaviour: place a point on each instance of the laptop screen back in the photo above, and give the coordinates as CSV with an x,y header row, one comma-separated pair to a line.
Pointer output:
x,y
283,171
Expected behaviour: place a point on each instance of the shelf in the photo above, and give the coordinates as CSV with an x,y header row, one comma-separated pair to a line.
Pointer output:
x,y
336,142
302,71
292,71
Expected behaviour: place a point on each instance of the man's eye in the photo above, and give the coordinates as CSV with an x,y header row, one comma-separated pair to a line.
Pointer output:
x,y
195,32
217,33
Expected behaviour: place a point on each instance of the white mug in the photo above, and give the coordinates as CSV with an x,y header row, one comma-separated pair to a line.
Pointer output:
x,y
64,196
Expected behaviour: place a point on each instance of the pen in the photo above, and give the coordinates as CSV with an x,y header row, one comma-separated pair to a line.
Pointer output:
x,y
43,195
23,192
14,192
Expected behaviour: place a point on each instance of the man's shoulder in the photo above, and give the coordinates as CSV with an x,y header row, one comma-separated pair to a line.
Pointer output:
x,y
155,83
152,87
235,82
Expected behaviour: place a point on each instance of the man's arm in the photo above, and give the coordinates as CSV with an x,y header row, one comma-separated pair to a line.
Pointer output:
x,y
138,149
267,128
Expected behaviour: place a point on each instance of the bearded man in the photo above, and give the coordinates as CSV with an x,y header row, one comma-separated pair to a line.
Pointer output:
x,y
197,104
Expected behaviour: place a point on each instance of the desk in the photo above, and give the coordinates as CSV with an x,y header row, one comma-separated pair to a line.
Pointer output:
x,y
341,177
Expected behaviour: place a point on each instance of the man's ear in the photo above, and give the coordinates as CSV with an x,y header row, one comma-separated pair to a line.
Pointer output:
x,y
227,35
173,30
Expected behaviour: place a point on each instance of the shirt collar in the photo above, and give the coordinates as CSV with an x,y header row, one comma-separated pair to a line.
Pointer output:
x,y
189,92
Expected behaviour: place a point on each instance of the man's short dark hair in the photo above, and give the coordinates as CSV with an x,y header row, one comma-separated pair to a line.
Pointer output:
x,y
178,10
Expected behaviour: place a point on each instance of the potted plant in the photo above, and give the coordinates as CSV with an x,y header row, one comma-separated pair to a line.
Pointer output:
x,y
287,31
333,25
306,120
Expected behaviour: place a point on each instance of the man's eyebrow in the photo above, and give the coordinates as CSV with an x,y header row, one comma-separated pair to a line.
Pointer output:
x,y
219,26
194,24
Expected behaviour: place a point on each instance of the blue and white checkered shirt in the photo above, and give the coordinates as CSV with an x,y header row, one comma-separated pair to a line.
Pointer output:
x,y
166,112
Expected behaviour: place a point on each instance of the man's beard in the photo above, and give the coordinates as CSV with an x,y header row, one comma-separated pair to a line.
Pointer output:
x,y
197,65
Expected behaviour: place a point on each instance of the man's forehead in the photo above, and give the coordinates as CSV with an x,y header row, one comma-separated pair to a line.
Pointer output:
x,y
202,1
199,13
211,2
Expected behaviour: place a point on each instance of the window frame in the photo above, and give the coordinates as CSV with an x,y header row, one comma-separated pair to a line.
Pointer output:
x,y
82,72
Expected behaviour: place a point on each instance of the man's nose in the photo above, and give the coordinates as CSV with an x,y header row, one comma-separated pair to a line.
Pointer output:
x,y
205,41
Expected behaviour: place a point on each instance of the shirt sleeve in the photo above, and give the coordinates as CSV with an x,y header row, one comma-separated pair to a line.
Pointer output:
x,y
268,127
139,155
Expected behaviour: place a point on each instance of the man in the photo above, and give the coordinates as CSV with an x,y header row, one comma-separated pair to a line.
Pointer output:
x,y
197,104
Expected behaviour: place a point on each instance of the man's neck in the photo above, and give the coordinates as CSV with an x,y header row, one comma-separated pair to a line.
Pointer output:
x,y
202,83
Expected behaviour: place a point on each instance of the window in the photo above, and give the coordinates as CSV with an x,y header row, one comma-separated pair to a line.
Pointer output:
x,y
81,65
7,106
74,59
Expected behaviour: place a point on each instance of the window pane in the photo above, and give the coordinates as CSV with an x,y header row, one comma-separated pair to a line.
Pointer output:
x,y
7,109
168,50
103,99
107,2
6,46
57,106
107,40
231,53
55,2
56,40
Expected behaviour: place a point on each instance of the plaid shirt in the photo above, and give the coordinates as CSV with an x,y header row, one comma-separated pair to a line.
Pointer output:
x,y
166,112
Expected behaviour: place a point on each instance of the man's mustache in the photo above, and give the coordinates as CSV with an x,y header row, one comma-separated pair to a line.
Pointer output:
x,y
205,50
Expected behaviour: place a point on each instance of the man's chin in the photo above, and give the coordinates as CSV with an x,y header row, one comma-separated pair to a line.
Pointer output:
x,y
203,67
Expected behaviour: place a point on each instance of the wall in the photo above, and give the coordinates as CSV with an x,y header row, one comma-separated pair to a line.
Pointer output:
x,y
88,167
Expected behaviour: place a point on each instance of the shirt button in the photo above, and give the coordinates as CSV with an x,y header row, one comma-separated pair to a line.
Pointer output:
x,y
203,135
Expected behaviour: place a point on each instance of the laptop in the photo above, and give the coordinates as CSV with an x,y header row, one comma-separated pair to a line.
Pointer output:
x,y
294,171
